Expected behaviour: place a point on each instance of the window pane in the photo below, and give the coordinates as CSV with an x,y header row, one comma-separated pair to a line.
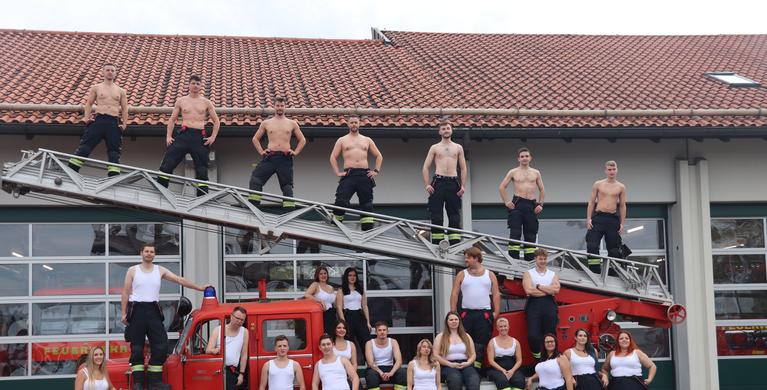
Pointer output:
x,y
68,279
172,322
14,280
408,344
741,340
14,240
737,233
15,359
199,341
117,273
294,330
238,242
401,311
68,318
660,261
736,269
398,274
68,240
564,234
60,358
644,234
335,272
495,228
740,305
127,239
243,276
13,319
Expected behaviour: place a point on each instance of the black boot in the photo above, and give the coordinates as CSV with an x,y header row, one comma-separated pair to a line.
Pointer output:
x,y
155,382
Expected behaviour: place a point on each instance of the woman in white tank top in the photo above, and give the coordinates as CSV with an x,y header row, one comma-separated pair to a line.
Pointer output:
x,y
94,375
454,350
352,307
505,358
423,371
342,346
625,365
321,292
333,370
553,370
583,362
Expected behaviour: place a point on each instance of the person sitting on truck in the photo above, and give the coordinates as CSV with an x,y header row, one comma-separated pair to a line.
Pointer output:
x,y
423,371
333,370
505,357
454,350
280,372
236,347
541,310
321,292
352,306
384,360
342,346
94,375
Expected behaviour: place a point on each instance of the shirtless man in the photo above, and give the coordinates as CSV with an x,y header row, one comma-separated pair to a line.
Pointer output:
x,y
523,209
606,221
278,156
356,176
444,190
111,101
191,137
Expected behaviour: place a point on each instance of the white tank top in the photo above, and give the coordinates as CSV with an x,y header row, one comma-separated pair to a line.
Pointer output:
x,y
543,280
324,296
347,353
581,365
626,365
505,351
383,356
549,374
146,287
456,352
333,375
353,301
476,291
233,348
424,380
101,384
281,378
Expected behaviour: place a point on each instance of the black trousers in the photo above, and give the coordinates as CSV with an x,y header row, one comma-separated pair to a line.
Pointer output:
x,y
271,163
145,320
517,380
541,317
102,127
588,382
328,319
358,327
522,220
603,225
231,377
373,378
188,140
479,325
446,197
355,181
627,383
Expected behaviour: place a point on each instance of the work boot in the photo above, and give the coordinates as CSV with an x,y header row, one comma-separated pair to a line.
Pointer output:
x,y
138,386
158,386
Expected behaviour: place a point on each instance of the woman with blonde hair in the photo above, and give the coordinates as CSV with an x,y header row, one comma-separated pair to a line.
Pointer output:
x,y
424,371
505,357
454,350
94,375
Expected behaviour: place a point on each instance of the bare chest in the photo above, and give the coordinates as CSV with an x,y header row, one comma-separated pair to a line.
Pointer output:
x,y
352,145
193,109
106,94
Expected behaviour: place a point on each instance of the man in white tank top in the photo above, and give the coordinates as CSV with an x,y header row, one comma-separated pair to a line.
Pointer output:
x,y
279,372
541,310
384,361
236,340
481,301
143,317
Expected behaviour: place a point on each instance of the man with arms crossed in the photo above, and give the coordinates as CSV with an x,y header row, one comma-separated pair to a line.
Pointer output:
x,y
236,358
606,221
278,156
191,137
541,311
480,302
111,101
384,360
444,189
356,176
143,317
523,209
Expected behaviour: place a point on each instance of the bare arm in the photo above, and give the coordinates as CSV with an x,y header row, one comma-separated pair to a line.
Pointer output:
x,y
127,286
334,158
265,377
172,124
496,295
426,166
309,294
257,138
244,358
299,375
315,377
370,358
464,172
216,123
439,376
80,380
518,355
490,354
622,200
606,365
167,275
502,189
211,348
351,371
553,288
456,290
124,106
592,200
541,194
340,304
365,311
397,356
529,287
89,104
410,370
354,352
567,372
645,360
379,158
530,381
301,139
473,356
438,352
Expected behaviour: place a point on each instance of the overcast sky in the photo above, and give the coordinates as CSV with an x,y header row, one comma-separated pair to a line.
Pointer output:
x,y
350,19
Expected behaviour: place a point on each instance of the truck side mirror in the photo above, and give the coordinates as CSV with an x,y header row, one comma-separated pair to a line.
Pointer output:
x,y
184,307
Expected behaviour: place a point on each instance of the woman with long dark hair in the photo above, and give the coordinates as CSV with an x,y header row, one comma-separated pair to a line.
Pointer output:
x,y
583,362
625,365
505,357
454,350
321,292
352,307
341,344
553,370
94,375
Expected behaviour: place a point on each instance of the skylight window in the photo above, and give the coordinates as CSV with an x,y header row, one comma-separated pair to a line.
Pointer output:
x,y
732,79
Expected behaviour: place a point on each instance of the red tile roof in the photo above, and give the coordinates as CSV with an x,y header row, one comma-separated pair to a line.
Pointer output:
x,y
416,70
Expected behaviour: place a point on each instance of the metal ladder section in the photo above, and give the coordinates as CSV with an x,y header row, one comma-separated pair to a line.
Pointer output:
x,y
46,171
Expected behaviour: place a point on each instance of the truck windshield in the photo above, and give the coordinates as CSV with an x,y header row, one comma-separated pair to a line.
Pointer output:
x,y
182,340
